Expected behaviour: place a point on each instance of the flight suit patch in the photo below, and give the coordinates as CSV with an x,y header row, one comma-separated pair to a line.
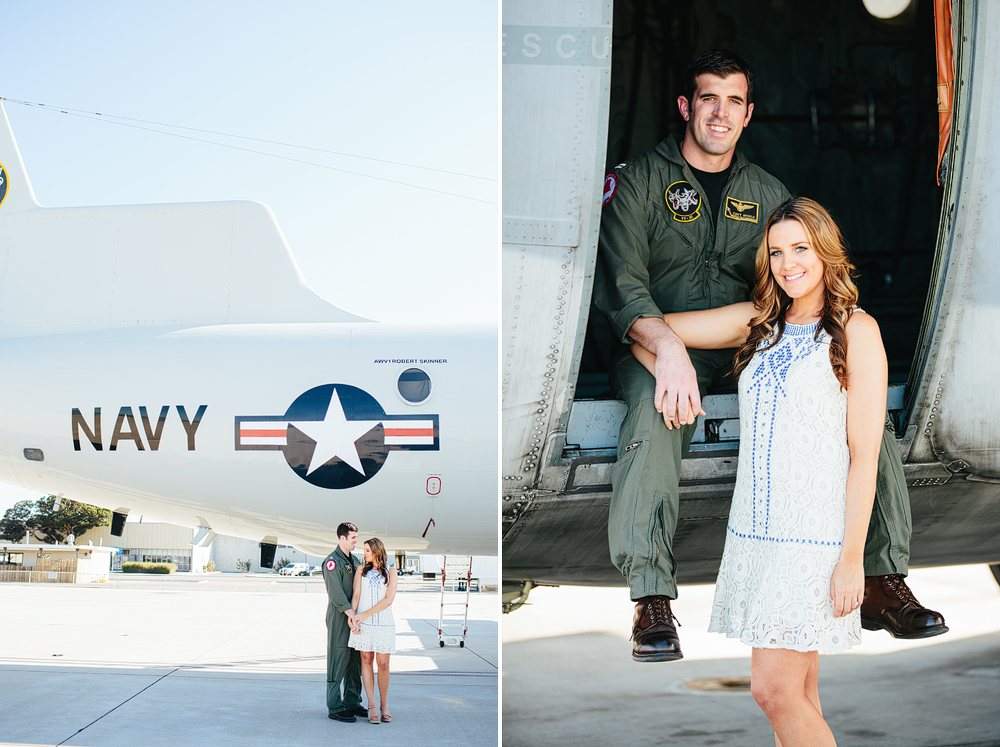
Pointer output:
x,y
3,184
331,565
742,210
683,201
610,187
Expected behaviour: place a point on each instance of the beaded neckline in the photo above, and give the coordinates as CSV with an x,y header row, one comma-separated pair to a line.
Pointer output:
x,y
801,329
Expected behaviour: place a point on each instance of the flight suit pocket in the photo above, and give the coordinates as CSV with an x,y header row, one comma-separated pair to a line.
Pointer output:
x,y
626,472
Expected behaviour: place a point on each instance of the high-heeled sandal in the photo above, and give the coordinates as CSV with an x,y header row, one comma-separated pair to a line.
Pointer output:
x,y
373,715
386,715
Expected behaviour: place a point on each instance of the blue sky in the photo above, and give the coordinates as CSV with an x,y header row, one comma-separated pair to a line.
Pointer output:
x,y
400,81
415,83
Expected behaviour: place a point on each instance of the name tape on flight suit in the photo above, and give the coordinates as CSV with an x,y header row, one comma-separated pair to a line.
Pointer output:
x,y
742,210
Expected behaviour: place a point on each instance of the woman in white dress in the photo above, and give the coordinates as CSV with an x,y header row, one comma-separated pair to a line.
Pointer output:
x,y
812,386
373,630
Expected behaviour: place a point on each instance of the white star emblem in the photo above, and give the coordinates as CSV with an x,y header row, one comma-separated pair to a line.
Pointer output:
x,y
335,436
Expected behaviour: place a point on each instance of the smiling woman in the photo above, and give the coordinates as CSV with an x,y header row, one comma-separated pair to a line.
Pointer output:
x,y
792,576
795,266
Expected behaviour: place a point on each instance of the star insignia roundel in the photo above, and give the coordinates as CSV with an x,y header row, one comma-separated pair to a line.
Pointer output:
x,y
336,435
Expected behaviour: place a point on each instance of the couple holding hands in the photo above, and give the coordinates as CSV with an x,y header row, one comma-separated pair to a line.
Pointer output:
x,y
360,627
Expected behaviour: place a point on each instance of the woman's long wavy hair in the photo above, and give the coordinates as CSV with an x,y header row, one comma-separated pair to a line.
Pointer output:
x,y
772,302
379,558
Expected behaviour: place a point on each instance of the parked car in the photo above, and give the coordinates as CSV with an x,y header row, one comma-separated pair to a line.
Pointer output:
x,y
295,569
315,570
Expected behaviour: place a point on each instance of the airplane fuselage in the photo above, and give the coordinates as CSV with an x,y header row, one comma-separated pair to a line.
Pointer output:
x,y
275,431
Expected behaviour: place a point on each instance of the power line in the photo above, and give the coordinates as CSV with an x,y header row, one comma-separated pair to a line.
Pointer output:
x,y
97,116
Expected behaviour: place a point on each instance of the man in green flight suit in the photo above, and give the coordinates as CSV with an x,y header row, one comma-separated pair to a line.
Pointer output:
x,y
679,231
343,664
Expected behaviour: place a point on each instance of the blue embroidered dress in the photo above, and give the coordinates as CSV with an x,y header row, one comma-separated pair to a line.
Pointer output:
x,y
786,523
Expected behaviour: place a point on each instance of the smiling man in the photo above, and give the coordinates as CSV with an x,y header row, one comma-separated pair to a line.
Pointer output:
x,y
343,664
679,232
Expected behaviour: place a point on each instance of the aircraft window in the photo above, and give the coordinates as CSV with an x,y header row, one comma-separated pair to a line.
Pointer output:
x,y
414,385
34,455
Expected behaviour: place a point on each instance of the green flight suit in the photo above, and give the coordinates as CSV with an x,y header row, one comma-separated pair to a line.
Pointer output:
x,y
661,251
343,664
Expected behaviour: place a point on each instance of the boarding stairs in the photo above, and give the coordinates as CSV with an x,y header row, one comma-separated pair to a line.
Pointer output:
x,y
456,581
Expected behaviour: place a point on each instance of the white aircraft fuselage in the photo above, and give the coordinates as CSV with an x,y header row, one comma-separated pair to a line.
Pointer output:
x,y
170,361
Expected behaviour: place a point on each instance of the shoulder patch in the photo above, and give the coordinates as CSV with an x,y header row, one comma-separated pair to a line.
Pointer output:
x,y
742,210
684,201
610,188
3,184
331,565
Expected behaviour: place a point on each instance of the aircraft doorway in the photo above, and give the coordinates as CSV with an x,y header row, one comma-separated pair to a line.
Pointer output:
x,y
845,113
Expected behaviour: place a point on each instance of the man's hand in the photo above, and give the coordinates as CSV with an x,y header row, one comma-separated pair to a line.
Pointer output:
x,y
676,395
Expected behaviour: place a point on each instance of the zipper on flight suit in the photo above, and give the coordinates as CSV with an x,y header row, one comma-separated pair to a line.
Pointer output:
x,y
715,251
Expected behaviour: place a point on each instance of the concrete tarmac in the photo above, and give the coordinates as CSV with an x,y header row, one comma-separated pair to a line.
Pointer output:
x,y
179,665
568,677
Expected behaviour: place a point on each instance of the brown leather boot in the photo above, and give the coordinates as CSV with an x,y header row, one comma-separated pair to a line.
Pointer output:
x,y
890,605
654,637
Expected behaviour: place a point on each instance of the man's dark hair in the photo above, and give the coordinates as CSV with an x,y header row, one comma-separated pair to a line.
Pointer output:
x,y
720,62
345,529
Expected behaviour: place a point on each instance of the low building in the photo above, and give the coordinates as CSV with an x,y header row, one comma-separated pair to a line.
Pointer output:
x,y
67,564
156,542
151,542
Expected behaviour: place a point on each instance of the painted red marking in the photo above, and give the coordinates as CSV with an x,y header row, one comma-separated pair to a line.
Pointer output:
x,y
258,433
409,431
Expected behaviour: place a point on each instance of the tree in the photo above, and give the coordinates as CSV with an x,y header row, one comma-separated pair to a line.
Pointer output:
x,y
17,520
44,521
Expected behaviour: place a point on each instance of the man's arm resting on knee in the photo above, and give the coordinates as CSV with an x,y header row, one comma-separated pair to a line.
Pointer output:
x,y
676,395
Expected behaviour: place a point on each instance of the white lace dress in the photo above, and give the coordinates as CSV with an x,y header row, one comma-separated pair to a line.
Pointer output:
x,y
786,524
378,631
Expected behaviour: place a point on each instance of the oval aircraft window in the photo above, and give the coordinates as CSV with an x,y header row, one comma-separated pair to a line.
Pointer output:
x,y
414,386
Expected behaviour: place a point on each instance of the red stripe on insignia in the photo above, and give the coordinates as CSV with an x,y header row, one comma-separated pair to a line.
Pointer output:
x,y
259,433
409,432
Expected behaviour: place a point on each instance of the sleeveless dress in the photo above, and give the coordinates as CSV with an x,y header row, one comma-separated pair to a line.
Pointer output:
x,y
378,632
786,523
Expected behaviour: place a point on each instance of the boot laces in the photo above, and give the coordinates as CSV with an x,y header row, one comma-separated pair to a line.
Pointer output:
x,y
898,586
659,611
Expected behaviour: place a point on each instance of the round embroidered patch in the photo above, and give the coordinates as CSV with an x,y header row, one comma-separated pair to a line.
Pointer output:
x,y
610,187
3,184
683,201
331,565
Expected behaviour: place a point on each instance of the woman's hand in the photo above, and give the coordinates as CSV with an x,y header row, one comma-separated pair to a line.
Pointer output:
x,y
847,587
